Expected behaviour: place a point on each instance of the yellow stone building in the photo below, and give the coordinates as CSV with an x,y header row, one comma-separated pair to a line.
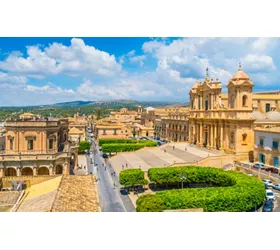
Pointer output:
x,y
37,146
226,121
77,128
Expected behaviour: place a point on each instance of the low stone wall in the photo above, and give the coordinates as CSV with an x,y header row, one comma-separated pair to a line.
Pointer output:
x,y
212,161
185,210
29,180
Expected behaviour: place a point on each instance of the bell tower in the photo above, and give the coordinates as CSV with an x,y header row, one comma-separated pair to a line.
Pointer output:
x,y
240,91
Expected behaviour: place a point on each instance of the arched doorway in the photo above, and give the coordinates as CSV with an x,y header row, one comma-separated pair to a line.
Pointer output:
x,y
27,171
10,172
58,169
43,171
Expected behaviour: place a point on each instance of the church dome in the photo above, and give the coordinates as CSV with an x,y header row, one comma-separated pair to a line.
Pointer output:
x,y
257,115
273,116
240,74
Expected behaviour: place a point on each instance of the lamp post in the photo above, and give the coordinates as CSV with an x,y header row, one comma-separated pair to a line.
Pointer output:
x,y
182,178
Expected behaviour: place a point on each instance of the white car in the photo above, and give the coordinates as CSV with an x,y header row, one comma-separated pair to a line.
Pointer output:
x,y
270,195
268,183
277,187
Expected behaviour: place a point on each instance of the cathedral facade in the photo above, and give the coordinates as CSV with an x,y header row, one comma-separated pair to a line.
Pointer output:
x,y
220,123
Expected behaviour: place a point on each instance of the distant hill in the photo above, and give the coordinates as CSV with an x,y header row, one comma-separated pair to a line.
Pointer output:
x,y
105,103
74,103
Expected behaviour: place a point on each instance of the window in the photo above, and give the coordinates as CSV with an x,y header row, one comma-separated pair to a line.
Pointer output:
x,y
115,131
276,161
275,144
244,137
267,107
11,144
262,158
261,142
206,105
104,131
50,143
30,144
199,104
232,137
244,101
232,102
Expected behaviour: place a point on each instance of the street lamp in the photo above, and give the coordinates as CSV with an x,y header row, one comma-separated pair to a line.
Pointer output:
x,y
182,178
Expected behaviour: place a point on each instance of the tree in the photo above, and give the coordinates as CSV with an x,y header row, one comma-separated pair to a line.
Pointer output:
x,y
149,203
83,145
132,177
98,114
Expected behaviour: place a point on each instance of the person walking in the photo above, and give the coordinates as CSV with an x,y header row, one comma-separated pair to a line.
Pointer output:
x,y
122,167
173,147
126,165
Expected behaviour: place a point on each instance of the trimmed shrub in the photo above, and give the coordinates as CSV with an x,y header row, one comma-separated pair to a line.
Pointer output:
x,y
236,192
202,175
125,147
131,177
149,203
125,141
83,145
113,141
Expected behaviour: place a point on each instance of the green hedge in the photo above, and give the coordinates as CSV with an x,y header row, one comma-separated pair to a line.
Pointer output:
x,y
237,192
113,141
131,177
119,147
203,175
149,203
124,141
83,145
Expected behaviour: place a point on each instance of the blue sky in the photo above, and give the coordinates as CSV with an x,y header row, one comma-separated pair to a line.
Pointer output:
x,y
35,71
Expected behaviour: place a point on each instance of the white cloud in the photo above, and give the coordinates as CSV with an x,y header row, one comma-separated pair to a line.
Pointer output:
x,y
50,89
187,58
131,53
76,59
5,78
257,63
138,59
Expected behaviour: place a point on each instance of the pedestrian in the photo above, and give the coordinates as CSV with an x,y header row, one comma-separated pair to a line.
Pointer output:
x,y
105,168
186,149
126,165
102,164
164,150
122,167
173,147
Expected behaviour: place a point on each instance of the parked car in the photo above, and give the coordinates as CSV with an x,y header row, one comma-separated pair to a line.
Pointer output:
x,y
105,156
277,187
268,183
270,195
268,206
271,169
259,165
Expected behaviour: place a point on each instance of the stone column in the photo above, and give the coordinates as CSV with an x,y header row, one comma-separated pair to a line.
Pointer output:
x,y
212,136
65,168
209,136
222,137
215,136
226,146
34,170
1,172
201,134
18,172
51,170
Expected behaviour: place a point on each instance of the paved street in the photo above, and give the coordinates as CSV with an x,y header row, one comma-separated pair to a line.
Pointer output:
x,y
110,198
